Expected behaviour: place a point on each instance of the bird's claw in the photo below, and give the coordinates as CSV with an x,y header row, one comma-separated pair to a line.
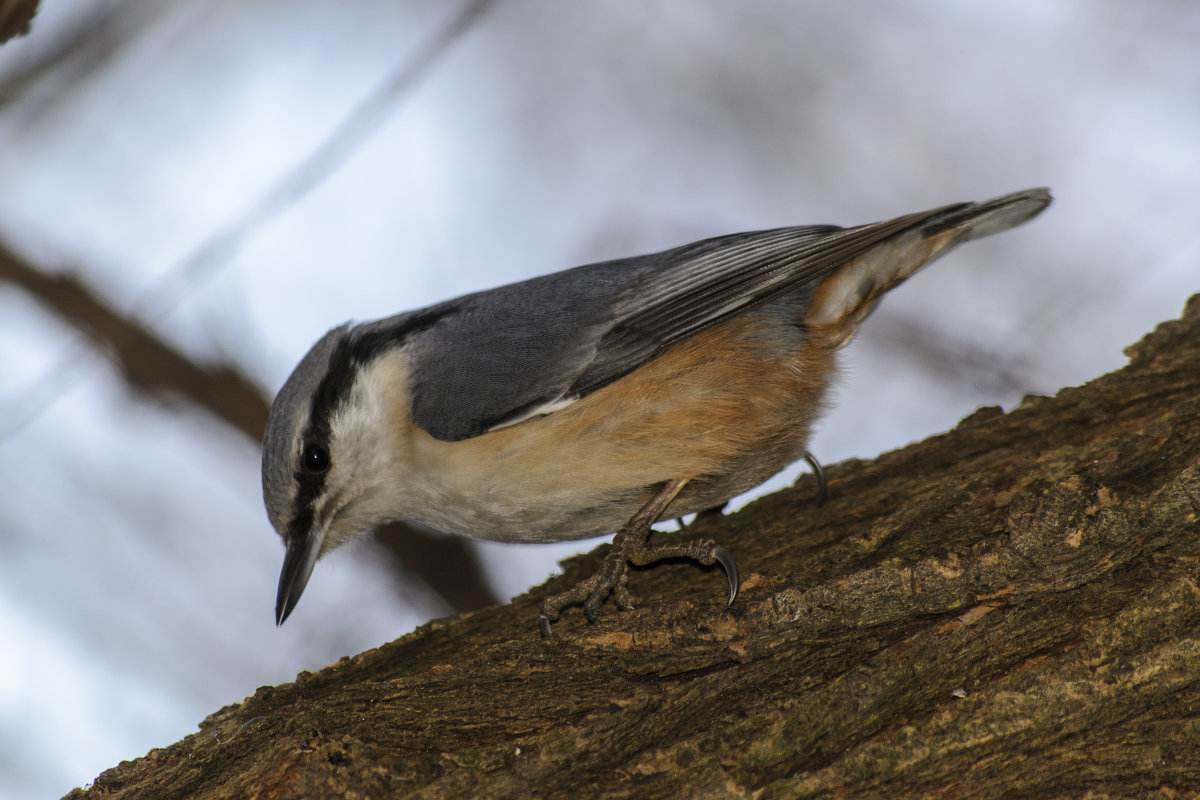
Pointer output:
x,y
613,578
731,573
818,476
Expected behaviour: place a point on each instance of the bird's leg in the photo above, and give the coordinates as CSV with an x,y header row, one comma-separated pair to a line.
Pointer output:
x,y
630,547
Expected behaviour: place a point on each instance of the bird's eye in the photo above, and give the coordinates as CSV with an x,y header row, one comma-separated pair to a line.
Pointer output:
x,y
315,458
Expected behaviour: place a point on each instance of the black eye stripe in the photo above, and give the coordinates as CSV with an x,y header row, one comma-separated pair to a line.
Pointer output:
x,y
309,484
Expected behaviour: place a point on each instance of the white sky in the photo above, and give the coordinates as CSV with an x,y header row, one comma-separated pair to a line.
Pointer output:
x,y
138,571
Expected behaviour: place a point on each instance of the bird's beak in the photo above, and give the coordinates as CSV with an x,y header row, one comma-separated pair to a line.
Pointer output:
x,y
298,565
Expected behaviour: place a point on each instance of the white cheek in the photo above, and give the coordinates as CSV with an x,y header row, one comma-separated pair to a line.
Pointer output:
x,y
362,475
359,433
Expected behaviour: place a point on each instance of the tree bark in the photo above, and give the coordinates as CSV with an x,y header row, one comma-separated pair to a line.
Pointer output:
x,y
1005,610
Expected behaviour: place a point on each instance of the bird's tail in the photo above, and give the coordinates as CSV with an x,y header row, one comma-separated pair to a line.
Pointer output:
x,y
849,293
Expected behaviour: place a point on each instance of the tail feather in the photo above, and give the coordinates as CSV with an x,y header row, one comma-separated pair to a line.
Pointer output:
x,y
850,292
992,216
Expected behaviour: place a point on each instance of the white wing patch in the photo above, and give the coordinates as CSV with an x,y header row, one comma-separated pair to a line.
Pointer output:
x,y
537,411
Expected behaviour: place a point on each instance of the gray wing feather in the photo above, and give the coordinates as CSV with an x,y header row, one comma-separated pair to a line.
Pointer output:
x,y
501,355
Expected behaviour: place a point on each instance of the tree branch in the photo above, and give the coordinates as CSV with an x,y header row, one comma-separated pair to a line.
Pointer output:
x,y
148,364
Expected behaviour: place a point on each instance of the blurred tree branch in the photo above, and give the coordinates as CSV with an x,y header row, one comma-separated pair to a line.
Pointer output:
x,y
959,361
15,18
150,366
1009,609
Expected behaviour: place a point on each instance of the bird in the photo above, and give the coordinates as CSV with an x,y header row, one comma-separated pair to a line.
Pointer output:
x,y
591,401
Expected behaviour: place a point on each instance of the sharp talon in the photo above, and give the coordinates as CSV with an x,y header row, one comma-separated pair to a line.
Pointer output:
x,y
731,573
819,475
544,624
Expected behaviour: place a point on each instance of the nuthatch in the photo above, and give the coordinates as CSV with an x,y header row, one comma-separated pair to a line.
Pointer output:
x,y
592,400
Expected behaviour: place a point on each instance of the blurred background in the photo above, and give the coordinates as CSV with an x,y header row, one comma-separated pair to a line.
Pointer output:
x,y
191,192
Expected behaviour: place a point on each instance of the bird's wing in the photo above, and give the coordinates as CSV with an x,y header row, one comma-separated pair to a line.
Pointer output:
x,y
496,358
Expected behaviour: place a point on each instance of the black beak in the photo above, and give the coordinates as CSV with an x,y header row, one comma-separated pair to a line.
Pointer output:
x,y
298,565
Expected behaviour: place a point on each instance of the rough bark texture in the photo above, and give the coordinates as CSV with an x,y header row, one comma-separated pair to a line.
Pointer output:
x,y
1006,610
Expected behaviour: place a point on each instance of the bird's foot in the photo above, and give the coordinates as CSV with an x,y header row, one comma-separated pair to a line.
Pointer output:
x,y
630,547
611,578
